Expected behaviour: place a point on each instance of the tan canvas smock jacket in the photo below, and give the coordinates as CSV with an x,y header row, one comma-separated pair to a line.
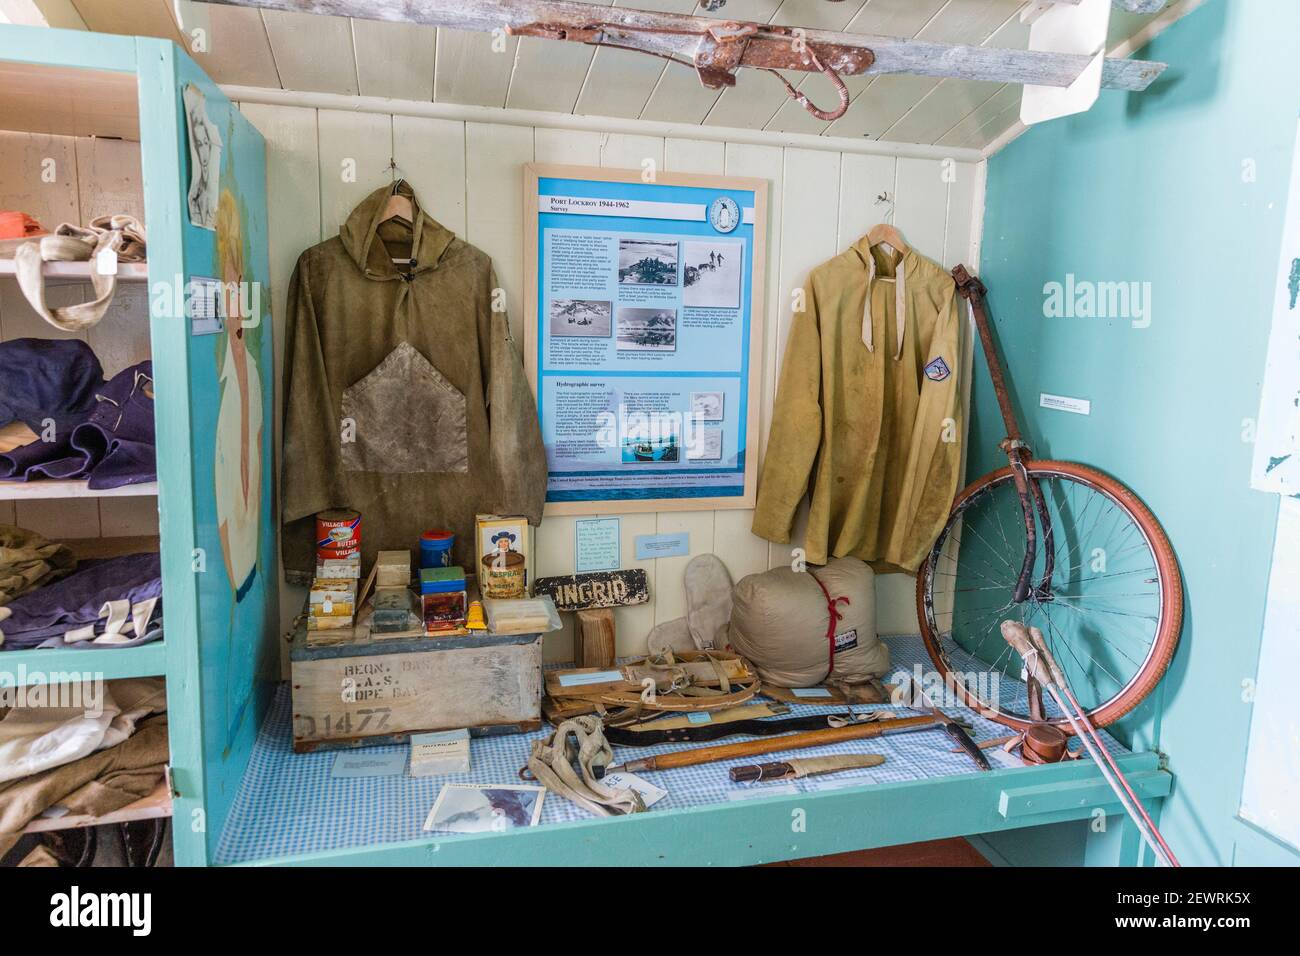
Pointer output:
x,y
868,411
405,397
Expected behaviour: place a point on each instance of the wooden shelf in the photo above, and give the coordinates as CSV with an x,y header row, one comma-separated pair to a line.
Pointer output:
x,y
28,490
126,271
87,548
106,662
155,805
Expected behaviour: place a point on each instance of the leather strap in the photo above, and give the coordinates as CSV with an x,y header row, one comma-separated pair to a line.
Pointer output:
x,y
551,764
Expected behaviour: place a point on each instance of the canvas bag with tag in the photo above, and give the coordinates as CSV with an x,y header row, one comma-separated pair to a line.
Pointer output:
x,y
801,628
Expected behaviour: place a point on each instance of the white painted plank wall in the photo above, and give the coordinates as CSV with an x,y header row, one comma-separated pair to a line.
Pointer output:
x,y
468,173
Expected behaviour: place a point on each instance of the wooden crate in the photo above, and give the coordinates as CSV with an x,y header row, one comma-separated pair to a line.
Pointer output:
x,y
347,695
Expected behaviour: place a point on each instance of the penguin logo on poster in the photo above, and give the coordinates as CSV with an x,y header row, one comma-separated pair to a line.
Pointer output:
x,y
724,214
937,370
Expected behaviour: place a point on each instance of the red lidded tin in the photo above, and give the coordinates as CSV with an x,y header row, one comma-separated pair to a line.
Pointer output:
x,y
338,533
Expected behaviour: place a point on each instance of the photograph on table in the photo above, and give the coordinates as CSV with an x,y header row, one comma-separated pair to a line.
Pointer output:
x,y
711,273
647,330
471,808
647,262
591,317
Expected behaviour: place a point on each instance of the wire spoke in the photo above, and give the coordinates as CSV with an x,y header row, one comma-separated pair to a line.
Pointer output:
x,y
1083,531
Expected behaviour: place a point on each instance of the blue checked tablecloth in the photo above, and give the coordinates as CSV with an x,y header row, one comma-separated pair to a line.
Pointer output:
x,y
291,804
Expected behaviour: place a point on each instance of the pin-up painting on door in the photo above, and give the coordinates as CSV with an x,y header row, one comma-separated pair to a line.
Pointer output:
x,y
230,361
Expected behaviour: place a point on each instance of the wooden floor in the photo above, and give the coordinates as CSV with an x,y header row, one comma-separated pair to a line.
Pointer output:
x,y
954,852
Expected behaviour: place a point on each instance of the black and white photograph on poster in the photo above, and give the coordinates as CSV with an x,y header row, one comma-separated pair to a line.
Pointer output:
x,y
705,445
647,262
581,317
471,808
707,406
711,274
647,330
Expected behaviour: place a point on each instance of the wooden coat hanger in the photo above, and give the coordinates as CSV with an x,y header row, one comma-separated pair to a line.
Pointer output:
x,y
887,234
399,206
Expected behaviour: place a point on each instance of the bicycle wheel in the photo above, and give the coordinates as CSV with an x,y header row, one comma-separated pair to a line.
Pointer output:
x,y
1107,596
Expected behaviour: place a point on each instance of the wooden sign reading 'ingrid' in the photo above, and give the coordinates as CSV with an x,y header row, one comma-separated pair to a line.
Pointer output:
x,y
580,592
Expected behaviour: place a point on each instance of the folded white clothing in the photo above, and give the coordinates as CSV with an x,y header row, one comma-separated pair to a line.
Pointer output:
x,y
34,737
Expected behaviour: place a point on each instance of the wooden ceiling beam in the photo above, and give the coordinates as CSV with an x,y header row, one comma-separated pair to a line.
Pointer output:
x,y
718,47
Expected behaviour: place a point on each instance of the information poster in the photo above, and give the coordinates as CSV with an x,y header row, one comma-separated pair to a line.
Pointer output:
x,y
645,306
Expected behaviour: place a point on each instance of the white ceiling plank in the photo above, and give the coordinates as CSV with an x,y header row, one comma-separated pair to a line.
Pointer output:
x,y
883,104
473,68
620,81
946,106
237,47
312,52
895,18
986,124
970,22
60,14
150,18
751,103
679,97
952,100
395,59
548,75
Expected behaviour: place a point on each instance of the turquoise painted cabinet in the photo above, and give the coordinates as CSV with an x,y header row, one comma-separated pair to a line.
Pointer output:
x,y
214,404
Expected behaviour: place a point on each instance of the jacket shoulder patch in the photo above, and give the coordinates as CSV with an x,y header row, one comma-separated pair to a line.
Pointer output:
x,y
937,370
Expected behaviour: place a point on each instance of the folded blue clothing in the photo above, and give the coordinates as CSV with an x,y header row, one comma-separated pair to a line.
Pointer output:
x,y
153,632
75,601
111,444
44,380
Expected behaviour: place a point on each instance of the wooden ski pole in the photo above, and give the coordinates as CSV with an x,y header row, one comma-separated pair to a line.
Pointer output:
x,y
1030,645
751,748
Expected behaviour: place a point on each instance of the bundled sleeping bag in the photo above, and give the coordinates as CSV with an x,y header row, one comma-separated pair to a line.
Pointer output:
x,y
800,628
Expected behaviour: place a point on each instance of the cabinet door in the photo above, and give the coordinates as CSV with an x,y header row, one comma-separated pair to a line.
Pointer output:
x,y
205,195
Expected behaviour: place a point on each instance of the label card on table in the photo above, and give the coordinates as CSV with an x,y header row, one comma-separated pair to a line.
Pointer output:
x,y
369,764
